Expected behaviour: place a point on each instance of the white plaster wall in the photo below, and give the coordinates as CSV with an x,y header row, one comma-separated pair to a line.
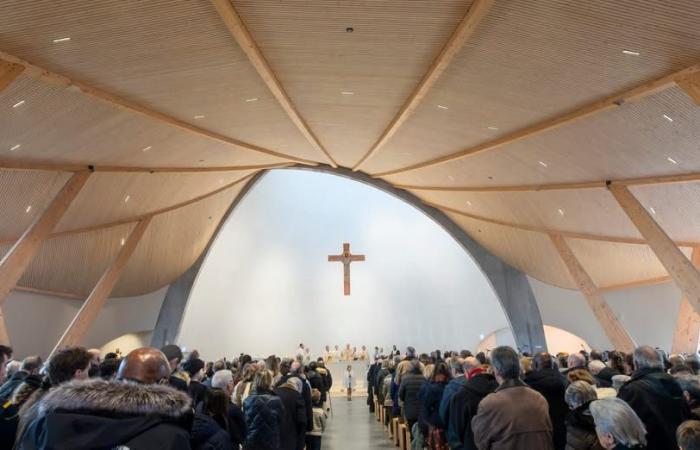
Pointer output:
x,y
266,284
558,340
36,322
649,313
128,342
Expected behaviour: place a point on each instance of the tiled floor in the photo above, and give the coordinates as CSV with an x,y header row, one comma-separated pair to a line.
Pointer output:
x,y
353,427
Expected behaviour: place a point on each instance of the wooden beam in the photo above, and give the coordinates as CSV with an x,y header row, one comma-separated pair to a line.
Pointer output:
x,y
691,85
4,334
568,234
75,333
636,283
240,33
613,328
684,274
9,73
591,109
687,332
114,100
49,293
477,11
21,254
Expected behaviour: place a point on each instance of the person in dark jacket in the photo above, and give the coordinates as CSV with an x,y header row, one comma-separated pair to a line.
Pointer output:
x,y
295,371
580,428
133,412
198,391
549,382
656,397
602,373
371,376
264,414
293,430
463,407
455,385
207,434
617,425
327,379
30,366
430,396
378,380
315,379
410,386
235,423
174,355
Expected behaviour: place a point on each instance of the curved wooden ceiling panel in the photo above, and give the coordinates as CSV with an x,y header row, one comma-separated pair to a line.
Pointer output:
x,y
529,61
676,207
174,56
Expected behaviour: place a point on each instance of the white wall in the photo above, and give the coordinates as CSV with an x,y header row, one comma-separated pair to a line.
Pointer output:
x,y
649,313
558,340
36,322
266,284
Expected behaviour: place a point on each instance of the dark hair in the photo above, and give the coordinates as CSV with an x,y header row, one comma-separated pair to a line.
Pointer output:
x,y
616,361
688,435
193,366
680,368
171,352
108,368
441,369
5,352
542,361
596,355
64,363
111,355
505,360
216,404
481,356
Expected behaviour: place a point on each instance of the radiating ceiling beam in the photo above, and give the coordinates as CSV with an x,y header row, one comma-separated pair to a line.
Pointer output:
x,y
687,332
240,33
567,234
605,104
48,292
78,328
636,283
614,330
18,258
684,274
8,73
691,85
119,102
477,11
4,334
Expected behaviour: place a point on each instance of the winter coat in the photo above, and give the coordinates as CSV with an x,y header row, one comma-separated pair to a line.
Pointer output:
x,y
386,390
293,430
657,398
197,391
206,434
264,415
408,393
463,407
305,394
8,388
107,414
430,395
513,417
552,385
404,367
580,430
319,426
396,407
316,381
604,377
378,384
455,385
327,382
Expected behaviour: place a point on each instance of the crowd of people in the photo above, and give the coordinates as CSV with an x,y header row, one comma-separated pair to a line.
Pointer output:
x,y
157,398
506,400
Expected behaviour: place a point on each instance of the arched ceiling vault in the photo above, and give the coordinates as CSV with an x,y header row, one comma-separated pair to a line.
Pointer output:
x,y
510,116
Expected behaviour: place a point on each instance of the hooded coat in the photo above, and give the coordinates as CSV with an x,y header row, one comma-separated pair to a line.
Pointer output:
x,y
552,385
411,384
208,435
293,430
463,408
108,414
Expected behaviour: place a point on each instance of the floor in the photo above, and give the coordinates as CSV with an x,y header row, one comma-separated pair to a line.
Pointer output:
x,y
352,427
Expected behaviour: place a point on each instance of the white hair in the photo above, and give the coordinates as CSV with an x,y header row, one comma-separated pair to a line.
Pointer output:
x,y
221,379
578,393
614,416
596,366
576,360
647,357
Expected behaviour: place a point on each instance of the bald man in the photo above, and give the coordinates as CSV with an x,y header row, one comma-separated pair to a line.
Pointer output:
x,y
137,411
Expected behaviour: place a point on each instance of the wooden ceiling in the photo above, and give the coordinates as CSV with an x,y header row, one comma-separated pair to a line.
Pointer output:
x,y
510,115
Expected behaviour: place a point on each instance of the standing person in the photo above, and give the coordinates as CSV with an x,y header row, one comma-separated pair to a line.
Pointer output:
x,y
327,381
408,392
430,396
617,425
464,405
580,428
293,429
264,414
174,355
313,437
548,381
223,379
5,356
514,416
195,369
349,381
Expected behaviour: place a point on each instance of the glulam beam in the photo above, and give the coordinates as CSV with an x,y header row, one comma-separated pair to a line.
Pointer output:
x,y
477,11
4,334
691,85
681,270
245,40
687,332
8,73
15,262
48,166
78,328
614,330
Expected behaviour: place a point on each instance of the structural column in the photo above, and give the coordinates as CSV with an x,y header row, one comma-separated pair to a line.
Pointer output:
x,y
77,329
681,270
615,331
687,333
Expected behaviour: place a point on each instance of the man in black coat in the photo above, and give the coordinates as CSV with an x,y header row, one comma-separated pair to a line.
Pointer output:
x,y
463,407
371,376
549,382
656,397
295,370
30,366
293,429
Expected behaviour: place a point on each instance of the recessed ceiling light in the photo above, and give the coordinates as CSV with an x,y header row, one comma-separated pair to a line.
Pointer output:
x,y
561,212
481,336
18,104
347,92
492,128
199,116
122,242
542,163
249,100
145,149
668,118
127,198
653,211
443,107
671,160
469,203
15,147
63,39
29,208
630,52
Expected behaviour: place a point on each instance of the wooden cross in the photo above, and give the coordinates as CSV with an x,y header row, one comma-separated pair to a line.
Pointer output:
x,y
346,258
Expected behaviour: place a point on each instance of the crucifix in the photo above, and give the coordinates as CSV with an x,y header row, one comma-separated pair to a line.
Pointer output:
x,y
346,258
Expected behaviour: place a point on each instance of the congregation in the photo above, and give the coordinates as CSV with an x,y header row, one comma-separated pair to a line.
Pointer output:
x,y
154,398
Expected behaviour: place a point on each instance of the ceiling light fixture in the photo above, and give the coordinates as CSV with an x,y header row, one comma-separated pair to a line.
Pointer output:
x,y
653,211
542,163
443,107
63,39
469,203
347,92
123,241
668,118
671,160
15,147
249,100
18,104
492,128
127,198
630,52
199,116
145,149
29,208
561,212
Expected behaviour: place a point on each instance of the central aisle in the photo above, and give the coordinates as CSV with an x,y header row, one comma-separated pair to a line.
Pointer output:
x,y
353,427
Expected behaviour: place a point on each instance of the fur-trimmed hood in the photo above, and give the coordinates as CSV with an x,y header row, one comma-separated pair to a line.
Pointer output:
x,y
116,397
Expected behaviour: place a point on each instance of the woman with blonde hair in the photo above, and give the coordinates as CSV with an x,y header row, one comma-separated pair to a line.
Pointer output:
x,y
264,414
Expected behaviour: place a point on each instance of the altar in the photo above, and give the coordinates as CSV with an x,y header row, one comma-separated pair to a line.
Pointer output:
x,y
359,371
